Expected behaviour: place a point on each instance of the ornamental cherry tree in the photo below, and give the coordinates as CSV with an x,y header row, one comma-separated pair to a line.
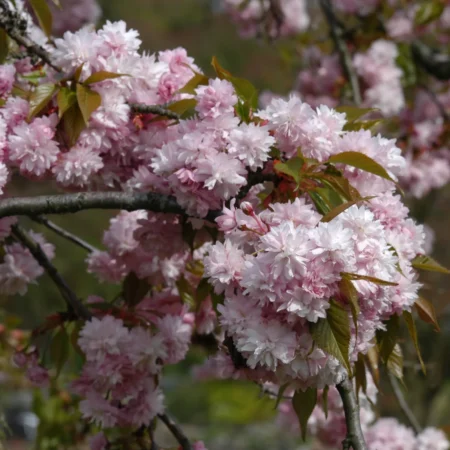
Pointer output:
x,y
278,233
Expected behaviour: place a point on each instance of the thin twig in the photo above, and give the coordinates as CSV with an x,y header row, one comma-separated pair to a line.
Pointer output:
x,y
64,233
337,34
71,203
73,302
404,404
16,27
355,437
436,101
176,431
154,109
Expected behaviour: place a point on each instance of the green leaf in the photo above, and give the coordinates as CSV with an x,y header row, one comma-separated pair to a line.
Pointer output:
x,y
350,293
319,202
341,208
4,45
40,98
388,339
66,98
429,11
304,404
372,358
355,276
325,400
362,125
77,73
57,3
292,168
281,392
59,349
360,375
426,312
186,291
405,61
353,113
409,319
102,75
361,161
197,80
88,101
181,106
43,14
134,289
203,290
332,334
424,262
73,123
221,73
395,362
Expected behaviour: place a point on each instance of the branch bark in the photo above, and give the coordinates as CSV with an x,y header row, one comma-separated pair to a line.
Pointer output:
x,y
337,34
355,437
16,27
71,203
64,233
176,431
404,404
73,302
154,109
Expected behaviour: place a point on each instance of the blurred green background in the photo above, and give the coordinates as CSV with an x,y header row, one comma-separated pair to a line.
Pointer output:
x,y
232,414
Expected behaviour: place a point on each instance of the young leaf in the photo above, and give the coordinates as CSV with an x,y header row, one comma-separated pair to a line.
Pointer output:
x,y
332,334
409,319
362,125
197,80
361,161
66,98
424,262
355,276
134,289
40,98
181,106
325,400
353,113
426,312
341,208
88,101
293,168
372,358
281,391
59,349
222,73
360,375
349,291
395,362
73,123
43,14
319,202
304,404
429,11
185,290
246,91
388,339
4,45
102,75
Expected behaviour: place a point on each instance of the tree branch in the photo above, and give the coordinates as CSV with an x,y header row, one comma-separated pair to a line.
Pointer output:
x,y
64,233
337,34
154,109
355,436
16,27
35,249
404,404
435,63
176,431
71,203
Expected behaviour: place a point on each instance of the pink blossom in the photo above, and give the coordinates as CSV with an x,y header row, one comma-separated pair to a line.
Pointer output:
x,y
389,434
98,442
217,98
38,375
432,439
176,337
7,78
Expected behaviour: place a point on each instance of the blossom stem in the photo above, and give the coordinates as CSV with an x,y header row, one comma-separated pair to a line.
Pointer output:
x,y
154,109
355,437
64,233
176,431
404,404
71,203
15,26
73,302
337,34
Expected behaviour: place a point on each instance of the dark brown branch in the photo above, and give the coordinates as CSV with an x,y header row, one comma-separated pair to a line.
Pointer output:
x,y
154,109
355,437
404,404
16,27
73,302
71,203
176,431
337,34
64,233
